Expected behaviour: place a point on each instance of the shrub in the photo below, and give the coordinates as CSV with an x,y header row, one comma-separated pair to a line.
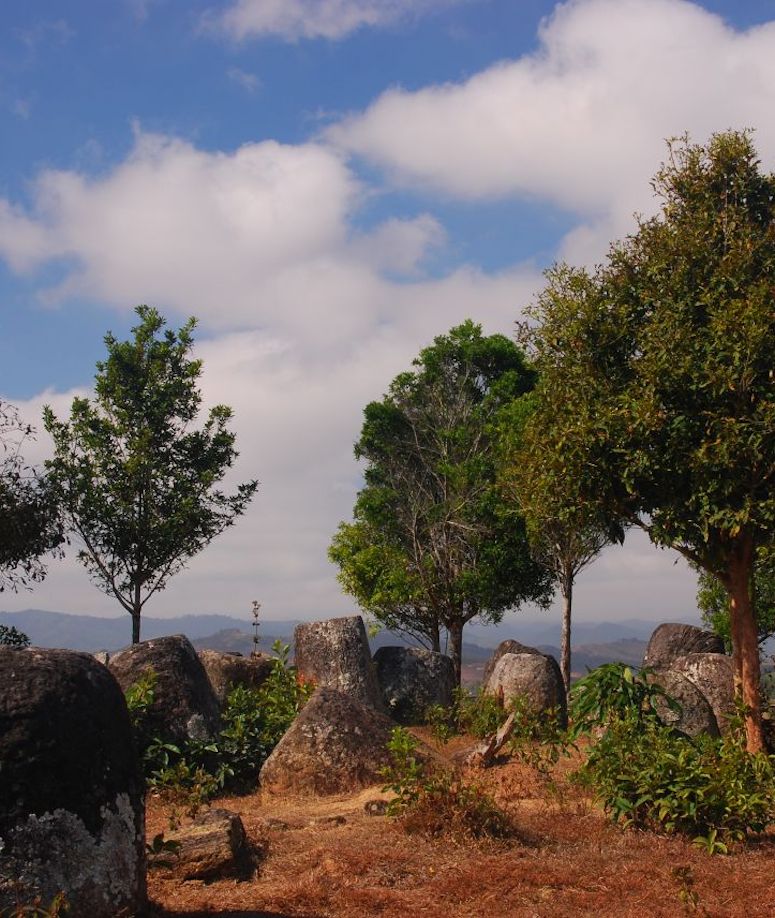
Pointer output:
x,y
253,721
477,714
613,692
12,637
648,776
436,802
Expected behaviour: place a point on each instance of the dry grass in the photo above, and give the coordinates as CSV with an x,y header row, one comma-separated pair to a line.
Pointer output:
x,y
567,861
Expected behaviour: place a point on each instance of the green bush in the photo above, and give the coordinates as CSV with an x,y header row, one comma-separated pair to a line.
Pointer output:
x,y
613,692
436,802
252,723
12,637
649,776
477,714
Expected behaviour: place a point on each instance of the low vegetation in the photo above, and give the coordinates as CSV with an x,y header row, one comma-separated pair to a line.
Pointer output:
x,y
253,722
435,801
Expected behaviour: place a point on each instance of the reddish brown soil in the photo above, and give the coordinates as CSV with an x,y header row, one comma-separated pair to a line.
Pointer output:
x,y
568,860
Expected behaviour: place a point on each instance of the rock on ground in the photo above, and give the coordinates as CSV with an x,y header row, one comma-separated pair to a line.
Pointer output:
x,y
213,845
672,640
71,791
412,679
508,646
535,676
696,715
228,670
336,745
713,675
335,654
185,706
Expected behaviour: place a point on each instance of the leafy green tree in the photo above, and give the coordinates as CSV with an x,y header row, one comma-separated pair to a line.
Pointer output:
x,y
657,373
136,479
713,599
433,543
565,534
10,636
30,521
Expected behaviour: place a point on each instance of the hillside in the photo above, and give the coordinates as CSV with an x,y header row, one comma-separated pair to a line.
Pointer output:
x,y
224,632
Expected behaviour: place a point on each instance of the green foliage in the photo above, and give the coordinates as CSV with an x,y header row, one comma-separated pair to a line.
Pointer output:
x,y
252,723
648,776
433,544
713,599
406,773
136,480
655,396
538,739
611,693
435,802
161,852
30,520
477,714
10,636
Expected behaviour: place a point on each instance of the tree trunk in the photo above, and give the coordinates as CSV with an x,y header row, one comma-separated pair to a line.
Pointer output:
x,y
567,595
135,627
137,608
456,648
436,642
745,645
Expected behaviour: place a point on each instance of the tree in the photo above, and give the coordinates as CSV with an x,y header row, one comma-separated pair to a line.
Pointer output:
x,y
713,599
137,481
565,535
660,366
30,522
10,636
433,544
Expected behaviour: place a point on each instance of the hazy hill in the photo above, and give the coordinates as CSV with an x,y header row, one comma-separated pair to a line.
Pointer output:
x,y
597,642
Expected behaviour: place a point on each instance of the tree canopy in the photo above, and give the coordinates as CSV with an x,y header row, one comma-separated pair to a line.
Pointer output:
x,y
30,522
565,533
658,371
137,480
433,543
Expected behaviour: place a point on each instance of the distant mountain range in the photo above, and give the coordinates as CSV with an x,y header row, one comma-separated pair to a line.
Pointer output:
x,y
595,642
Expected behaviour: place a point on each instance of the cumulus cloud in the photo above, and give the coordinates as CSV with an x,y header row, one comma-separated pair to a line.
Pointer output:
x,y
332,19
305,318
581,122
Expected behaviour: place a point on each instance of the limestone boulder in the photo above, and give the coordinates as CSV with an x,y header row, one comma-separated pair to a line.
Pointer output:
x,y
508,646
336,745
672,640
71,791
534,676
228,670
412,679
335,654
185,705
713,675
696,715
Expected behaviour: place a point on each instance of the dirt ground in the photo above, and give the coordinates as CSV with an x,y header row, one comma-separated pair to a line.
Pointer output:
x,y
328,857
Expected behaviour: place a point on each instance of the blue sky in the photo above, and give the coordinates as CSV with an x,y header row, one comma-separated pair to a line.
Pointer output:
x,y
327,184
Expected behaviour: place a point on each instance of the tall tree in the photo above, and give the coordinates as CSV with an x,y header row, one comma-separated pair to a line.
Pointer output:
x,y
433,544
565,534
713,599
659,370
30,521
136,479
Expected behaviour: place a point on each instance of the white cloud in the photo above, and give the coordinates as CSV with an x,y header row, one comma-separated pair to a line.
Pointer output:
x,y
332,19
248,81
305,319
582,121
